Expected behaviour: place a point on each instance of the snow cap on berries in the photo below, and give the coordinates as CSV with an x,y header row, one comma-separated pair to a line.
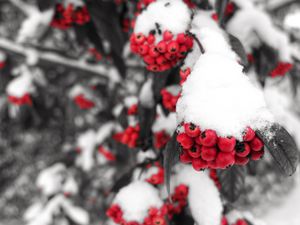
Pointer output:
x,y
204,198
136,199
221,98
173,16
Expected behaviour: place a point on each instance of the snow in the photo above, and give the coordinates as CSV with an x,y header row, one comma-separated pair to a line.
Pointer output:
x,y
146,97
104,132
251,21
221,98
135,200
292,20
86,142
164,122
130,100
170,15
70,186
203,198
50,179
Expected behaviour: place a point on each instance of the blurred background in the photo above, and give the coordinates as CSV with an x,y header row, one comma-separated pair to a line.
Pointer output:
x,y
64,89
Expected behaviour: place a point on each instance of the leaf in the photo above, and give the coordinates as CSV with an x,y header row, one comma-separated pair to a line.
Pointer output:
x,y
146,117
282,147
232,182
159,82
122,118
171,157
238,48
182,218
122,181
220,7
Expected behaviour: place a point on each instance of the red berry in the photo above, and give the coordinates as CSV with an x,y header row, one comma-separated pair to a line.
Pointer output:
x,y
226,144
199,164
191,130
161,47
208,138
185,141
153,67
241,222
181,38
242,149
195,151
208,153
167,35
224,160
182,51
257,155
140,38
256,144
212,164
158,220
169,56
161,60
153,52
241,160
134,48
143,49
149,60
224,221
165,66
189,42
249,134
185,157
151,39
173,47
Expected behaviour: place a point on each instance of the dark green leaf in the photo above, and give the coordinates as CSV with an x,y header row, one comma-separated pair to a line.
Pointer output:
x,y
282,147
238,48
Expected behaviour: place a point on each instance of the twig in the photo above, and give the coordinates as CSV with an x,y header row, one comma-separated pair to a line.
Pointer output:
x,y
197,41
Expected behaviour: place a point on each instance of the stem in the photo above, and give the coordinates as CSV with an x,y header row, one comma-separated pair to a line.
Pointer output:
x,y
197,41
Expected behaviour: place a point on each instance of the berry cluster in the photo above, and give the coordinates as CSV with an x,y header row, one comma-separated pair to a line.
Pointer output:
x,y
281,69
163,55
157,178
129,136
169,101
108,155
82,102
24,100
206,150
132,110
64,18
155,216
161,138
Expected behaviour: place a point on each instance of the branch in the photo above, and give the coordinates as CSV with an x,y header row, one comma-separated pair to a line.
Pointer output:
x,y
50,59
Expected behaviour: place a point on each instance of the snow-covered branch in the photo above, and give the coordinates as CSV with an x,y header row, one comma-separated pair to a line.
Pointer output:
x,y
50,58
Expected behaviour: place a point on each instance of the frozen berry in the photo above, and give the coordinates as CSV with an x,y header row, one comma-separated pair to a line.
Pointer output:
x,y
199,164
208,138
256,144
226,144
181,38
169,56
242,149
151,39
160,60
241,160
195,151
158,220
140,38
208,153
185,157
162,47
225,159
257,155
249,134
153,52
182,51
143,49
153,67
191,130
173,47
167,35
185,141
241,222
149,60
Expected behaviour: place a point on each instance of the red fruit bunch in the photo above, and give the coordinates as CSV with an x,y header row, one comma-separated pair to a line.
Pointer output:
x,y
163,55
184,73
108,155
65,17
161,138
156,216
224,221
281,69
19,101
169,100
157,178
132,110
129,136
82,102
205,149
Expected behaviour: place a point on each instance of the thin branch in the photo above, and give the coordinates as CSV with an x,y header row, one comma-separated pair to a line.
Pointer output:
x,y
55,60
197,41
